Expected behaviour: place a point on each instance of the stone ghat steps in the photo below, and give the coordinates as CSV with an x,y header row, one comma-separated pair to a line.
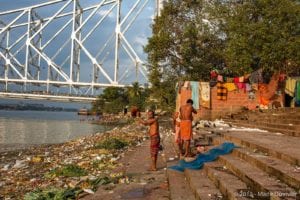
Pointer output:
x,y
216,182
280,110
202,187
282,147
291,130
286,121
178,185
256,179
263,116
281,120
270,124
266,166
287,173
287,114
234,179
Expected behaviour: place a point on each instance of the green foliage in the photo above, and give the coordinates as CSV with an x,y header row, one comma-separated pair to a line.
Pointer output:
x,y
261,33
53,194
67,171
111,143
183,47
114,99
191,37
137,96
100,181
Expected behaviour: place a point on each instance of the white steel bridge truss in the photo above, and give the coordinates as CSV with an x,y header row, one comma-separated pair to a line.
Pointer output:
x,y
33,59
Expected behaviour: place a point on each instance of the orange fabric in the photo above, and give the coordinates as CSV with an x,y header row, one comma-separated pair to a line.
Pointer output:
x,y
186,129
267,91
185,95
264,101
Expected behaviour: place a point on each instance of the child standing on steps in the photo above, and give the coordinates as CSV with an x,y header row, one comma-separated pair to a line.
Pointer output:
x,y
154,137
176,127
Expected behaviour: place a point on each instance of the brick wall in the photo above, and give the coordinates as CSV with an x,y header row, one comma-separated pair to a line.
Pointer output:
x,y
236,101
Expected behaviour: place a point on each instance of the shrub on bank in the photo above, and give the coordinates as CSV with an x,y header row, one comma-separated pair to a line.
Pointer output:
x,y
52,193
65,193
111,144
67,171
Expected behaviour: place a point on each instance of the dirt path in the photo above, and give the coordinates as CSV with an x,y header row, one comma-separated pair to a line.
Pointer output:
x,y
143,184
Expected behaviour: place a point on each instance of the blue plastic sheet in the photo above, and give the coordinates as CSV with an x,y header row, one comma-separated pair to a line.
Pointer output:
x,y
195,94
209,156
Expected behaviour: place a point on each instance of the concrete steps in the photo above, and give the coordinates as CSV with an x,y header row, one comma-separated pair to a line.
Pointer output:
x,y
266,166
254,171
178,184
229,185
202,187
291,127
292,114
286,121
283,171
179,189
280,147
288,130
279,120
256,179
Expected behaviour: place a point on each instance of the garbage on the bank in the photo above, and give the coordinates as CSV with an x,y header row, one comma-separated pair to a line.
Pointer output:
x,y
66,170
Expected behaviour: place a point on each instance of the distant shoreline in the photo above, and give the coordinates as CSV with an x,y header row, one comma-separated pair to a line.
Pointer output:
x,y
32,108
39,110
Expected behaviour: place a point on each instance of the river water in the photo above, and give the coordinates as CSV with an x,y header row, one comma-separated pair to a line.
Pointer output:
x,y
42,127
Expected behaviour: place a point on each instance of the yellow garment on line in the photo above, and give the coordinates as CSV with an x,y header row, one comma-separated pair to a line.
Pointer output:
x,y
290,86
230,87
204,94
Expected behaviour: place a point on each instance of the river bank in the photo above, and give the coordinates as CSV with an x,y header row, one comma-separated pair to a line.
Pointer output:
x,y
72,168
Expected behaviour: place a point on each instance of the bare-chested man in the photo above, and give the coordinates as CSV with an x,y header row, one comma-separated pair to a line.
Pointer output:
x,y
154,137
186,116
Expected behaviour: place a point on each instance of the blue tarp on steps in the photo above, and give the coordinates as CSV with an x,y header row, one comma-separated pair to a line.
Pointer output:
x,y
209,156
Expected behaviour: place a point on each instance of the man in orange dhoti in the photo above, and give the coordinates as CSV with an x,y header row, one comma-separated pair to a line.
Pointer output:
x,y
186,116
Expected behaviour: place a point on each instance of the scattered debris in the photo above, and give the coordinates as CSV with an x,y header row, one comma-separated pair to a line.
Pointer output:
x,y
63,171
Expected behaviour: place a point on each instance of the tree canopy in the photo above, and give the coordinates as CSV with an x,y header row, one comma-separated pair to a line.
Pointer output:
x,y
115,99
182,47
192,37
259,33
